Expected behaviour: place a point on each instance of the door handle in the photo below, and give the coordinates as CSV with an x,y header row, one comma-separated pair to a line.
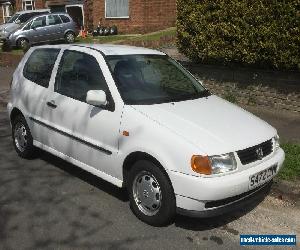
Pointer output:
x,y
52,104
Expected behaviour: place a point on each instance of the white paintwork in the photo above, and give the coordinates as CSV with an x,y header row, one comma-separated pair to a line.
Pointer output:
x,y
171,133
96,97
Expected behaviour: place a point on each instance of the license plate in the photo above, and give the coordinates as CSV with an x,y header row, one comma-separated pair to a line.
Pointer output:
x,y
262,177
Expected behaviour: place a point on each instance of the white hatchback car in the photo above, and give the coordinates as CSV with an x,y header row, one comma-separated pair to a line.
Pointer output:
x,y
136,118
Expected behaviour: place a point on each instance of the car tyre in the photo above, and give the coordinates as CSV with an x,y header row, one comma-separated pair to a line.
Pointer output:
x,y
151,194
23,44
70,37
22,138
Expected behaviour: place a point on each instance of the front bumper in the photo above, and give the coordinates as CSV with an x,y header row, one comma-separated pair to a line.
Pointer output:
x,y
230,204
210,196
5,41
3,36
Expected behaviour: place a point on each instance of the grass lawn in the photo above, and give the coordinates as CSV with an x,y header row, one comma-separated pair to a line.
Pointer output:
x,y
155,35
291,167
13,51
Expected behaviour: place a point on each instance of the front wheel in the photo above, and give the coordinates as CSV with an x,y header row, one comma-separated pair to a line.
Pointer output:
x,y
23,44
151,194
70,37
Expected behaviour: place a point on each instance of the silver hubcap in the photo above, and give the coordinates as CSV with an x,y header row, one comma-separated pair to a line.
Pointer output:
x,y
23,43
70,37
20,136
147,193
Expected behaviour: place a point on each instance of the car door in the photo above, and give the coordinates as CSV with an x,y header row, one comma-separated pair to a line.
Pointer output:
x,y
34,91
84,132
38,30
54,28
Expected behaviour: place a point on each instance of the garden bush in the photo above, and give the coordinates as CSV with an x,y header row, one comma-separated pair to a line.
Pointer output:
x,y
261,32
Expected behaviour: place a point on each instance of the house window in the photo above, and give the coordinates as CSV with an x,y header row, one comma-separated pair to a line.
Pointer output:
x,y
116,8
28,5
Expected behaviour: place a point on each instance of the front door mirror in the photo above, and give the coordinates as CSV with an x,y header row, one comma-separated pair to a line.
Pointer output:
x,y
18,21
96,98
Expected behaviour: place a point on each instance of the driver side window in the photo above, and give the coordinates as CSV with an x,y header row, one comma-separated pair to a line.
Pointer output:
x,y
39,22
77,74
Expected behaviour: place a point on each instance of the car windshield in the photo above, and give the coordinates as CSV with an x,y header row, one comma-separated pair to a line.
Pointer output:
x,y
152,79
13,18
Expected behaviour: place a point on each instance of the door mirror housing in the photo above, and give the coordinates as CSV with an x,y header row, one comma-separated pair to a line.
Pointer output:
x,y
18,21
96,98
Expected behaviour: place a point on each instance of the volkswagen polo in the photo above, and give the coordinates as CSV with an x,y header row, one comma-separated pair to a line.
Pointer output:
x,y
136,118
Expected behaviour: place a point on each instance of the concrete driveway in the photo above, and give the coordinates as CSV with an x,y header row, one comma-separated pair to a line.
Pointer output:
x,y
46,203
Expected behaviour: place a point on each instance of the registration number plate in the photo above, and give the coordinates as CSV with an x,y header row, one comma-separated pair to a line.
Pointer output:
x,y
262,177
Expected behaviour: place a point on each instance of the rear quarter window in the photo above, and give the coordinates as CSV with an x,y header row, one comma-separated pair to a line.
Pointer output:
x,y
65,19
39,66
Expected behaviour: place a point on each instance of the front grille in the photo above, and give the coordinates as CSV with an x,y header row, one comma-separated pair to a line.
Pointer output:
x,y
249,155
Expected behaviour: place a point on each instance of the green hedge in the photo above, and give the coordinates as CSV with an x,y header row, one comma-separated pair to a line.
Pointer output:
x,y
250,32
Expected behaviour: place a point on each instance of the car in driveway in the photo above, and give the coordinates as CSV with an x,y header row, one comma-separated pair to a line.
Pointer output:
x,y
136,118
17,20
45,28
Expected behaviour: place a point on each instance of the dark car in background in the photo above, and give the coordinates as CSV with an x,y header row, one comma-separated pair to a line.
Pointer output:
x,y
45,28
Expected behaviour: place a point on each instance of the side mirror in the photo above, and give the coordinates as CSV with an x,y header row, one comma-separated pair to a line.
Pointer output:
x,y
18,21
96,98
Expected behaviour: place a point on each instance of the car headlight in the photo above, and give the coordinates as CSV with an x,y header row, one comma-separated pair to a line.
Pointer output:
x,y
276,142
216,164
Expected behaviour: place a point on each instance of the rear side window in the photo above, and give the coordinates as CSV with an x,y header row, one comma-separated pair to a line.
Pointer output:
x,y
65,19
39,66
53,20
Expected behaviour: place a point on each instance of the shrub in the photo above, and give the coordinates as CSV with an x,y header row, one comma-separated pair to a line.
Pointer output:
x,y
261,33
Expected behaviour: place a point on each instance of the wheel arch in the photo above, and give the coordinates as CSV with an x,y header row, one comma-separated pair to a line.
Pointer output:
x,y
69,30
14,113
133,157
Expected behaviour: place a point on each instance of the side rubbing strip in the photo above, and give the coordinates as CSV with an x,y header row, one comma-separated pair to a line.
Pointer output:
x,y
72,136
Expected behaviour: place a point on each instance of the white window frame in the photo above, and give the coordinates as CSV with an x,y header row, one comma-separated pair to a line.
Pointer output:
x,y
120,17
6,14
82,11
25,5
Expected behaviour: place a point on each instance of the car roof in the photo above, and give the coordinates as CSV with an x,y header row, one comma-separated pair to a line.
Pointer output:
x,y
110,49
32,11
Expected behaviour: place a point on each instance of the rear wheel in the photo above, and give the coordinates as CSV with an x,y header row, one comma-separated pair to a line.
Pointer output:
x,y
22,138
23,43
70,37
151,194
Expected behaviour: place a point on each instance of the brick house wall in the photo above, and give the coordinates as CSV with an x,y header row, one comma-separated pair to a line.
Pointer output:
x,y
159,14
144,15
